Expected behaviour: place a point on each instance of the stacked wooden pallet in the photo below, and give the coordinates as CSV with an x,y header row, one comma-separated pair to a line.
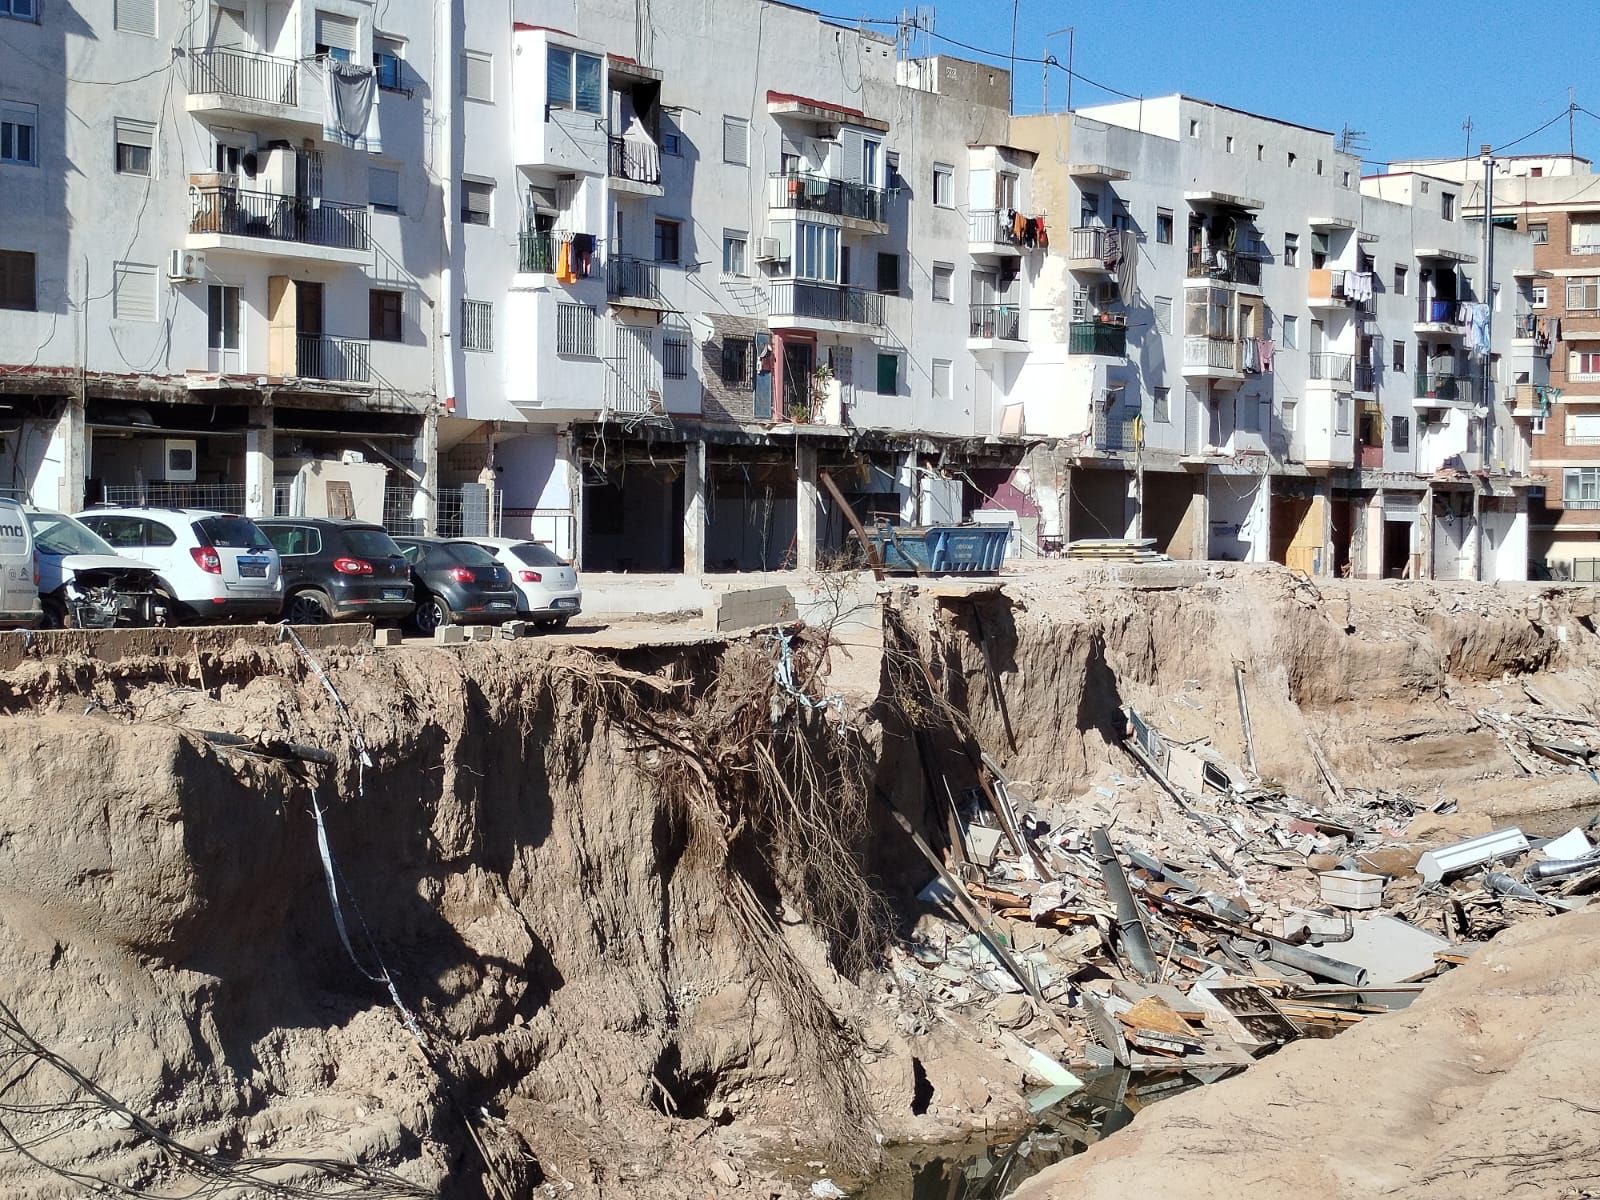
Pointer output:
x,y
1138,550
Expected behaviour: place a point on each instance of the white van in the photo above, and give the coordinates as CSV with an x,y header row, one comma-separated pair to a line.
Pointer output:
x,y
19,574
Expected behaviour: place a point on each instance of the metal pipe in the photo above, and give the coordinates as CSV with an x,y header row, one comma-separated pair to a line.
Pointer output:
x,y
1554,868
1130,925
1316,964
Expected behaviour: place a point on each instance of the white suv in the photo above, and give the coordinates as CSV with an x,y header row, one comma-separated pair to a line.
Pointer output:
x,y
211,563
547,585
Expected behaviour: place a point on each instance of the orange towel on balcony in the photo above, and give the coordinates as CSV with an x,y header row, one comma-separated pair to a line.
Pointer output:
x,y
564,271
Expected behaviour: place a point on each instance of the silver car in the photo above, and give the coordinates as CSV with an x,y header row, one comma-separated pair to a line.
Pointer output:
x,y
547,584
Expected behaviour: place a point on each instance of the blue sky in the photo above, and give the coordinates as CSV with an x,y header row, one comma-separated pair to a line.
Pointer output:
x,y
1407,73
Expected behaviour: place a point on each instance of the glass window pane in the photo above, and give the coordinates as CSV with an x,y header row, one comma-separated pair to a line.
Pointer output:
x,y
559,92
588,90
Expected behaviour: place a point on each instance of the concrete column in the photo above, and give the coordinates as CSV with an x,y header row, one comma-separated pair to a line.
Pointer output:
x,y
1136,501
69,446
1064,506
569,455
258,476
1261,537
1477,531
1325,490
808,503
425,462
1425,535
695,483
1202,525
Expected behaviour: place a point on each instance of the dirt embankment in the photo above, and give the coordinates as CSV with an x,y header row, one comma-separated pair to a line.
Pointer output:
x,y
607,975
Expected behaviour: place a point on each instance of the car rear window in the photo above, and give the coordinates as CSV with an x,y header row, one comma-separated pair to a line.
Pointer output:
x,y
231,533
535,555
370,543
469,554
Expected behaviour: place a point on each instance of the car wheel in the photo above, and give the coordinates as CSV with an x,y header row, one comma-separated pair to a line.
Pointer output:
x,y
308,608
431,613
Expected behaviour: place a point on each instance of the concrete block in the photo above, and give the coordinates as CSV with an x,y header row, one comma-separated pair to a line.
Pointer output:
x,y
751,607
512,630
386,637
482,633
449,635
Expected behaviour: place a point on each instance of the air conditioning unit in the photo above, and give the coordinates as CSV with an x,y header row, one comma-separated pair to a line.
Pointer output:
x,y
186,266
768,249
178,457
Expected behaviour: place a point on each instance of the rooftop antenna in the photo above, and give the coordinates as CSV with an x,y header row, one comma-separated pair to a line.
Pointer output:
x,y
1572,109
1049,62
1466,127
1351,140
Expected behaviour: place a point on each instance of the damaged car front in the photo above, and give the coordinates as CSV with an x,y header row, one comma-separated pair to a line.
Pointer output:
x,y
85,584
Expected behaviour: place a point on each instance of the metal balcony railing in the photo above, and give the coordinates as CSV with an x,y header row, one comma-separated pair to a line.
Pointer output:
x,y
826,302
1433,385
1335,368
1439,312
818,193
1225,266
224,71
1097,337
1527,325
1366,377
335,359
630,277
1209,353
991,226
1090,243
215,208
1000,321
1112,432
536,252
629,163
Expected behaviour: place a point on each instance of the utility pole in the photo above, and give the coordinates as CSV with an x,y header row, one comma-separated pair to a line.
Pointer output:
x,y
1572,111
1486,398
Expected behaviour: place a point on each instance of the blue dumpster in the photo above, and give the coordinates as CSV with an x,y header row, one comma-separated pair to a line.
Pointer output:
x,y
941,549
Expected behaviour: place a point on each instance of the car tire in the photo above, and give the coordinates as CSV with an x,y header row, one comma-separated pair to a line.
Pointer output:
x,y
308,607
431,613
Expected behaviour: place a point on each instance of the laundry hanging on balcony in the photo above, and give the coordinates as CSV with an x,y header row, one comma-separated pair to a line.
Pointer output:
x,y
1127,263
1477,327
349,109
644,157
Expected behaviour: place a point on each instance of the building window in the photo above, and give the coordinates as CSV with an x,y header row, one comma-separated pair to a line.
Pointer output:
x,y
222,317
1400,433
1583,292
477,202
668,234
1539,296
1399,359
888,273
1161,406
1341,412
477,325
816,252
385,316
133,292
1261,152
135,141
19,133
675,355
1583,364
1539,231
944,186
1584,235
1163,307
1399,281
1291,249
1447,206
1292,157
738,356
22,10
944,275
1581,485
1194,128
891,171
735,250
1291,333
136,16
941,379
671,137
736,141
1287,414
1347,179
1319,166
888,374
337,36
575,330
383,188
1230,143
386,63
573,80
1164,226
477,76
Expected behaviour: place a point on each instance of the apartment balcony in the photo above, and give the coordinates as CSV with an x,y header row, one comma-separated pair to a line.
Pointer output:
x,y
1330,372
634,166
1103,338
1371,458
995,327
1225,266
1114,434
634,283
536,252
1365,378
1531,330
1443,390
1212,358
332,359
225,82
858,205
824,307
1440,318
1087,250
227,218
1335,290
994,232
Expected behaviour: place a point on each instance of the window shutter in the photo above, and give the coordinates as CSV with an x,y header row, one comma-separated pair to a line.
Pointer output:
x,y
383,188
133,292
136,133
888,374
338,32
136,16
477,199
736,141
477,76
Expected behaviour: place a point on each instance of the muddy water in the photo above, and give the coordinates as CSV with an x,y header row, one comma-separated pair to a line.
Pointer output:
x,y
993,1167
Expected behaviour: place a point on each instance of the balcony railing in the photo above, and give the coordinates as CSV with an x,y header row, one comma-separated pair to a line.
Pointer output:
x,y
1210,353
1527,325
1366,377
1113,432
1335,368
825,302
1097,337
1433,385
1372,457
1091,243
1225,266
536,252
336,359
1439,312
628,277
818,193
271,217
224,71
635,163
1002,322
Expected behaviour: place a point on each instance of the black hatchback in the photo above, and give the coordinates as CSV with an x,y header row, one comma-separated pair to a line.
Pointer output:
x,y
339,570
457,581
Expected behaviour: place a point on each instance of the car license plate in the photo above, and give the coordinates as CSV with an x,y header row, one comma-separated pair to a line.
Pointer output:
x,y
394,593
253,568
566,602
498,604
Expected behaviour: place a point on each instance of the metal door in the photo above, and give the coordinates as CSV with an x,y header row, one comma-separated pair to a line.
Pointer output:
x,y
635,371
